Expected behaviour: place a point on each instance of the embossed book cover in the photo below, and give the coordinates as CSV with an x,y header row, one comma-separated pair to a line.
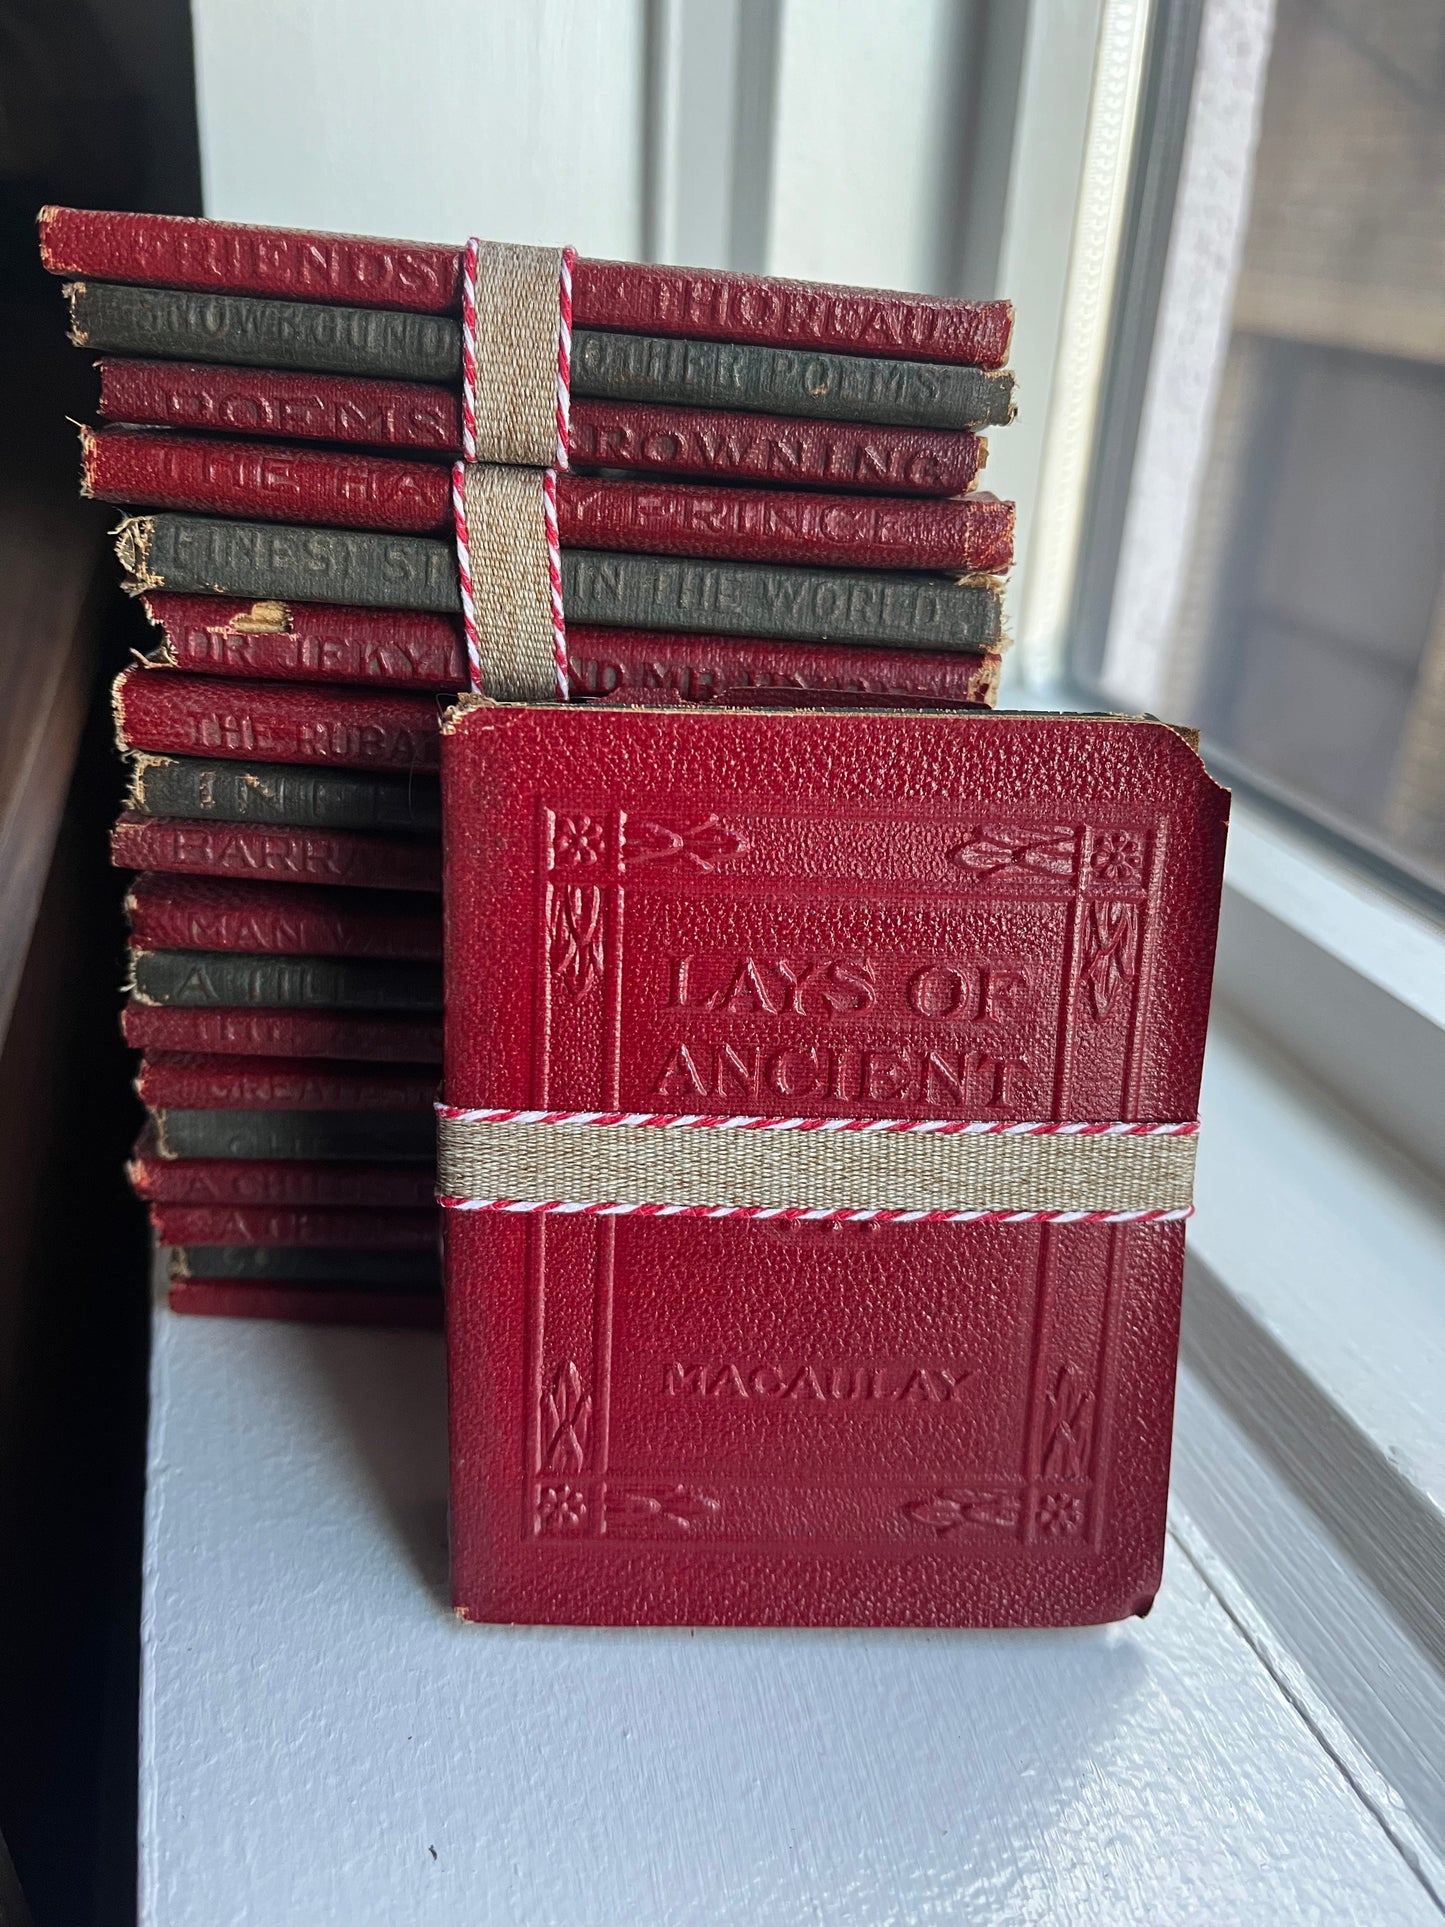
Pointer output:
x,y
758,1311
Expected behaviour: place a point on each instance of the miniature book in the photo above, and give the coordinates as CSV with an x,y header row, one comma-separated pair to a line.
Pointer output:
x,y
820,1097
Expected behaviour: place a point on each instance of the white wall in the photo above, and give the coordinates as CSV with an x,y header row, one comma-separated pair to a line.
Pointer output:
x,y
530,120
866,122
1048,155
517,119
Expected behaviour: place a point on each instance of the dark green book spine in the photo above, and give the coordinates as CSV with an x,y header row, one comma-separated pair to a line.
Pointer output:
x,y
277,793
400,1270
267,561
254,332
788,381
756,599
223,980
347,1137
181,325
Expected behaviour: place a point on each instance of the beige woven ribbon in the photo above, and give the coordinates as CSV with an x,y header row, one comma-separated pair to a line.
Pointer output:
x,y
516,389
511,595
811,1169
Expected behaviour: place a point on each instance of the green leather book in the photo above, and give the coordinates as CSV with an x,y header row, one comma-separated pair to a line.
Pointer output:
x,y
366,1137
311,1264
269,561
191,787
177,324
185,325
904,610
789,381
204,979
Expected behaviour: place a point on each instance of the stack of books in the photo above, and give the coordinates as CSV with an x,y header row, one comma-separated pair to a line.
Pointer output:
x,y
770,493
819,1088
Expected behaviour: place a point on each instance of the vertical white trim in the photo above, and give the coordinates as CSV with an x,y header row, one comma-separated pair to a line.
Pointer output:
x,y
692,59
709,121
1191,340
661,109
1045,590
1047,151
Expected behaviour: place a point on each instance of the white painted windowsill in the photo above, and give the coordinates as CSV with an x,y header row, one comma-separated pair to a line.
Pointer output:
x,y
1392,945
1332,1244
322,1742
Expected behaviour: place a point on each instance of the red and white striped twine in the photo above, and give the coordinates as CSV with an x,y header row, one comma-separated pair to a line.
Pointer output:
x,y
549,477
554,581
469,349
938,1127
464,573
800,1214
564,355
935,1126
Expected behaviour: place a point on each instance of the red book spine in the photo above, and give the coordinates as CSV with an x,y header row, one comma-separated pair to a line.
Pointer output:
x,y
271,1181
192,1081
696,303
271,401
177,252
232,1224
213,635
712,443
699,669
248,479
251,479
728,445
256,722
709,305
283,1033
198,913
972,536
300,1304
307,641
177,846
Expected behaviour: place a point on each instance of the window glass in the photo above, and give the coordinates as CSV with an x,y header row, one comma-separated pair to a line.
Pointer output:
x,y
1311,640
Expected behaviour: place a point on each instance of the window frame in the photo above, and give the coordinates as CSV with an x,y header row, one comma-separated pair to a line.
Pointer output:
x,y
1309,1149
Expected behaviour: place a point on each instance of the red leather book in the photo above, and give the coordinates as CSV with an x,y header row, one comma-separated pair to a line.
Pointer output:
x,y
704,1420
336,487
275,401
726,445
201,913
712,443
257,722
657,665
305,1304
339,489
696,303
307,642
283,1033
174,846
197,1081
973,535
316,642
278,1182
248,1224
